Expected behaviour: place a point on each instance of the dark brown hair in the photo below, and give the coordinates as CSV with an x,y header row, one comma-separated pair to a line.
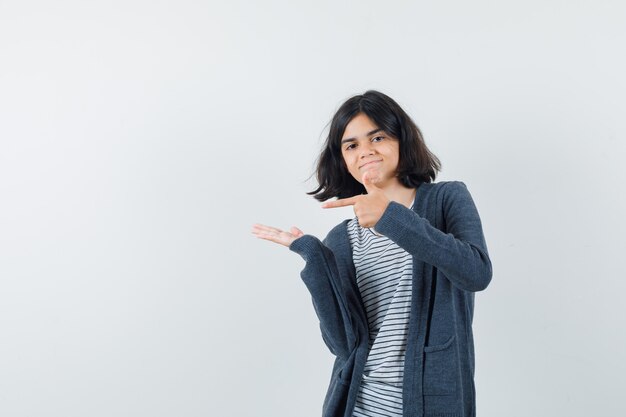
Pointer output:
x,y
416,163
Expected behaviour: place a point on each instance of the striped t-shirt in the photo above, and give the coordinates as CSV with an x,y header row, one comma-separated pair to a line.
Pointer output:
x,y
384,274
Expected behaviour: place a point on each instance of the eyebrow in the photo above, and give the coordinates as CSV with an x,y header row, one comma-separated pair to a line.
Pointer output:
x,y
368,134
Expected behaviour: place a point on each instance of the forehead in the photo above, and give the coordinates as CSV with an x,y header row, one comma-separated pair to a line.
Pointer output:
x,y
360,126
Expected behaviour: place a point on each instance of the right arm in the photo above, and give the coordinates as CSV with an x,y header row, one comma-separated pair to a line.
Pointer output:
x,y
321,276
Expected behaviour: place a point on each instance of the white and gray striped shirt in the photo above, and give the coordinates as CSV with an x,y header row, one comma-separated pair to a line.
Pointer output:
x,y
384,274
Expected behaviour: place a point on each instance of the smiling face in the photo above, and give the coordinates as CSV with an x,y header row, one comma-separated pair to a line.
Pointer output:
x,y
366,147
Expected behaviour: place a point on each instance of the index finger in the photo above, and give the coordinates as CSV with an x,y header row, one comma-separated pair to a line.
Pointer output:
x,y
341,202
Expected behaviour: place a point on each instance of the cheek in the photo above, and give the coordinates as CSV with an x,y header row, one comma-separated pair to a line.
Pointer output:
x,y
394,161
396,154
347,162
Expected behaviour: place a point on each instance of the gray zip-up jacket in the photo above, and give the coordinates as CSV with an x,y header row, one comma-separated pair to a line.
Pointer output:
x,y
444,235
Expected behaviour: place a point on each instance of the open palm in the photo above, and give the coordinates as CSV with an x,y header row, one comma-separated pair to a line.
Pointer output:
x,y
276,235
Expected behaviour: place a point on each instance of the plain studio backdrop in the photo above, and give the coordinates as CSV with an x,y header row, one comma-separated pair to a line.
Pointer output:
x,y
140,140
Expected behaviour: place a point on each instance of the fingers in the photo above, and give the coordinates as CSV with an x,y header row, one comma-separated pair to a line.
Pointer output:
x,y
341,202
267,232
368,182
261,230
276,235
257,227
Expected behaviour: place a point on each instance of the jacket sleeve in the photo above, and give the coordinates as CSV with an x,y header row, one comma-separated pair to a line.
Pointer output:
x,y
461,253
321,276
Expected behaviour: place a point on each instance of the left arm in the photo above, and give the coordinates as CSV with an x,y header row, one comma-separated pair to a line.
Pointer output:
x,y
461,254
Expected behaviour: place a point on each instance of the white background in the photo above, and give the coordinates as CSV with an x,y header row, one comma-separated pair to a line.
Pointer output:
x,y
140,140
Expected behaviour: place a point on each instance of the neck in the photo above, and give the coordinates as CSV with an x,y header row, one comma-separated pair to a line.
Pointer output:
x,y
397,192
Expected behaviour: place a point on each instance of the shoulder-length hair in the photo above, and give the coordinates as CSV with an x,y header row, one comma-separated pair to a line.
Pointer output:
x,y
416,164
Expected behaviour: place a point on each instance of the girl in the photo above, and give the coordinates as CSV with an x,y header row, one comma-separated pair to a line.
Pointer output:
x,y
393,287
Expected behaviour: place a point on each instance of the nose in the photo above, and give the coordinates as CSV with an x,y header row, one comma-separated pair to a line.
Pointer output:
x,y
366,149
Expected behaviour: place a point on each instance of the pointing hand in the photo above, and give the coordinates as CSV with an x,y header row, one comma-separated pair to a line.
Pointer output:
x,y
369,207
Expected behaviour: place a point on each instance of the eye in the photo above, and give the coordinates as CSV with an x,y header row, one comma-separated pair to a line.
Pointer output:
x,y
377,138
350,146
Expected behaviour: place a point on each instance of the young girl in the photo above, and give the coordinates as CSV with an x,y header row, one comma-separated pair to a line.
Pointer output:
x,y
394,287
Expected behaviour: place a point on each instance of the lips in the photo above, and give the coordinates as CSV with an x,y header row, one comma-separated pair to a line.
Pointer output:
x,y
369,163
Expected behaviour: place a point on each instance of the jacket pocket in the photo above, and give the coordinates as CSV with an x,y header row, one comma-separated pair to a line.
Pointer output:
x,y
441,368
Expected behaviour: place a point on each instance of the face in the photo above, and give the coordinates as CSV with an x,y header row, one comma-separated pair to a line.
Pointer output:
x,y
366,147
